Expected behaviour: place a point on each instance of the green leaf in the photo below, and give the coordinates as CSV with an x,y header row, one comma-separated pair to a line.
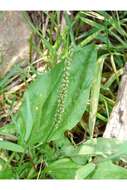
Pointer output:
x,y
70,151
43,99
107,148
84,171
67,169
62,169
29,121
40,103
95,91
108,170
81,76
6,145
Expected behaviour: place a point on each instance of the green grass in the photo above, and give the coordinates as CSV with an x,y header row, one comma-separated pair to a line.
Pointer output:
x,y
52,122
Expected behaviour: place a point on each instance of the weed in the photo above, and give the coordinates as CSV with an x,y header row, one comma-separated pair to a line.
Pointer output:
x,y
56,130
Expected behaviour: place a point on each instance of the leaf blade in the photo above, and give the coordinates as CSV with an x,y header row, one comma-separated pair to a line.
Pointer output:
x,y
6,145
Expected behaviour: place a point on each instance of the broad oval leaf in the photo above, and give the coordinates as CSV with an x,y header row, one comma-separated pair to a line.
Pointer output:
x,y
62,169
35,119
67,169
108,170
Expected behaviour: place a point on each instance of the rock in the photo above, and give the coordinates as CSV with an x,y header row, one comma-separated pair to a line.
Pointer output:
x,y
14,40
117,124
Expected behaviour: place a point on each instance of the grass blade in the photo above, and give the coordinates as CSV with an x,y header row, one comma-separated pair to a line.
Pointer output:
x,y
95,95
6,145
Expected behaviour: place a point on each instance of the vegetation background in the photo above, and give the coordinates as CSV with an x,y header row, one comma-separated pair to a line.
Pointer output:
x,y
54,109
